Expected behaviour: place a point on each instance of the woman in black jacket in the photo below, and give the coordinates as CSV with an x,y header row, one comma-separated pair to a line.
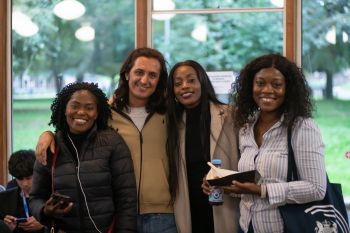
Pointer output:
x,y
92,165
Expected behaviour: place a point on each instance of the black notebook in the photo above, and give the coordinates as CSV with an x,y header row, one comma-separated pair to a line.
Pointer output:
x,y
252,176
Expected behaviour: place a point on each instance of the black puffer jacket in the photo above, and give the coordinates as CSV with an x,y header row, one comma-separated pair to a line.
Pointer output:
x,y
107,177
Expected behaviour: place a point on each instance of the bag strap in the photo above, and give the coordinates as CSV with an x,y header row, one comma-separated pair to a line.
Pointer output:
x,y
111,227
292,173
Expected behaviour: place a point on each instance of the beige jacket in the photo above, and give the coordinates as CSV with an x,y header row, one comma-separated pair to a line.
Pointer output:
x,y
148,152
223,145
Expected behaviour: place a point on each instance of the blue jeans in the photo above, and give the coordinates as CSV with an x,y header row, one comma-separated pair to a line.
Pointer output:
x,y
156,223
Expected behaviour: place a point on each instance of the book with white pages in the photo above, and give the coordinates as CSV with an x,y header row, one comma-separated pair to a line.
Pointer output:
x,y
223,177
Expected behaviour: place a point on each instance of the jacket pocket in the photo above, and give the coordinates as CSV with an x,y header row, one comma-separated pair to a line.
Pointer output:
x,y
154,182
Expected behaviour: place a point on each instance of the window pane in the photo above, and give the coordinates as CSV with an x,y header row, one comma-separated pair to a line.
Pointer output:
x,y
219,41
326,61
49,52
206,4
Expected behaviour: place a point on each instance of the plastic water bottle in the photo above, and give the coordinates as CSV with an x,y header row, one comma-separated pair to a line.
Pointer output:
x,y
215,196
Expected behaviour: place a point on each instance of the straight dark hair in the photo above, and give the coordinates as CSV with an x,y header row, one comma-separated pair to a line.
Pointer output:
x,y
174,119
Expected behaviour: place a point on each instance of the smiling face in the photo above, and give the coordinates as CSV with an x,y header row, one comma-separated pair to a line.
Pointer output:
x,y
81,111
142,80
187,88
269,89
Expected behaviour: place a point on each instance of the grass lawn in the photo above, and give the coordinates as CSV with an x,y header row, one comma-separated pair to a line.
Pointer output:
x,y
333,118
30,118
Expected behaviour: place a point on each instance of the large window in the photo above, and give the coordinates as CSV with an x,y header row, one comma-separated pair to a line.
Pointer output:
x,y
326,60
220,35
60,41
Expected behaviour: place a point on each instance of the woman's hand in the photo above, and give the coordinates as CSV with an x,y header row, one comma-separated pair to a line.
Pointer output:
x,y
205,187
243,188
46,140
54,209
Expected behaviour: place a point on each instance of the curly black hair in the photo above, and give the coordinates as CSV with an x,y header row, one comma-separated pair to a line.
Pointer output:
x,y
297,102
21,163
156,101
58,107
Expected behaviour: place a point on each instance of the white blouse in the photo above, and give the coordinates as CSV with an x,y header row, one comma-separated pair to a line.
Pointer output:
x,y
271,161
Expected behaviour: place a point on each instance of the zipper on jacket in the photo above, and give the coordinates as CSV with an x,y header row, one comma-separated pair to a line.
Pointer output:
x,y
79,188
141,151
79,195
140,176
141,159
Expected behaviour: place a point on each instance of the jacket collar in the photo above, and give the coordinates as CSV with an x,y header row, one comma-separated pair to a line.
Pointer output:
x,y
218,114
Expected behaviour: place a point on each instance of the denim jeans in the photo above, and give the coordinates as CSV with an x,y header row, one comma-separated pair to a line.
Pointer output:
x,y
156,223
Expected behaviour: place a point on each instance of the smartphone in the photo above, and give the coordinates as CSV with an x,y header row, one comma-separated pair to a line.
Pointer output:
x,y
64,199
19,220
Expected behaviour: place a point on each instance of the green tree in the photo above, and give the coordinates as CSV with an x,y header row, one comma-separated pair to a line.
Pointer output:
x,y
318,19
55,51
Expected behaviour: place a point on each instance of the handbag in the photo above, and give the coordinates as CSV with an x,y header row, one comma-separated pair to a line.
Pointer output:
x,y
327,215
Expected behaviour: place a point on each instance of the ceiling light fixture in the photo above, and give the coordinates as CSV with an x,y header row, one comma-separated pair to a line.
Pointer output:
x,y
69,9
159,5
23,25
85,33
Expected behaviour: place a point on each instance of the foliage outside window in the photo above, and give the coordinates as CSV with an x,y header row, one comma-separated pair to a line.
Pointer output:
x,y
48,52
219,40
326,62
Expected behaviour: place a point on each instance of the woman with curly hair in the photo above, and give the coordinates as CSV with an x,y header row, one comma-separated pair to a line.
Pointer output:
x,y
92,166
271,95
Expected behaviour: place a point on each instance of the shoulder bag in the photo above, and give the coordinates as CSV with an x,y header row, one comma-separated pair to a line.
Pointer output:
x,y
327,215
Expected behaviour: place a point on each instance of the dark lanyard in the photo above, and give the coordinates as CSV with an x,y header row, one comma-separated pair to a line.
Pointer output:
x,y
25,205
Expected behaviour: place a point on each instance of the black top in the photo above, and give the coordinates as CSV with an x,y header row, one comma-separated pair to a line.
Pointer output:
x,y
197,168
78,140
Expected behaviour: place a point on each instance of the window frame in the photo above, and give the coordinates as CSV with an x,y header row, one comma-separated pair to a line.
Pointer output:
x,y
5,104
143,12
290,21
